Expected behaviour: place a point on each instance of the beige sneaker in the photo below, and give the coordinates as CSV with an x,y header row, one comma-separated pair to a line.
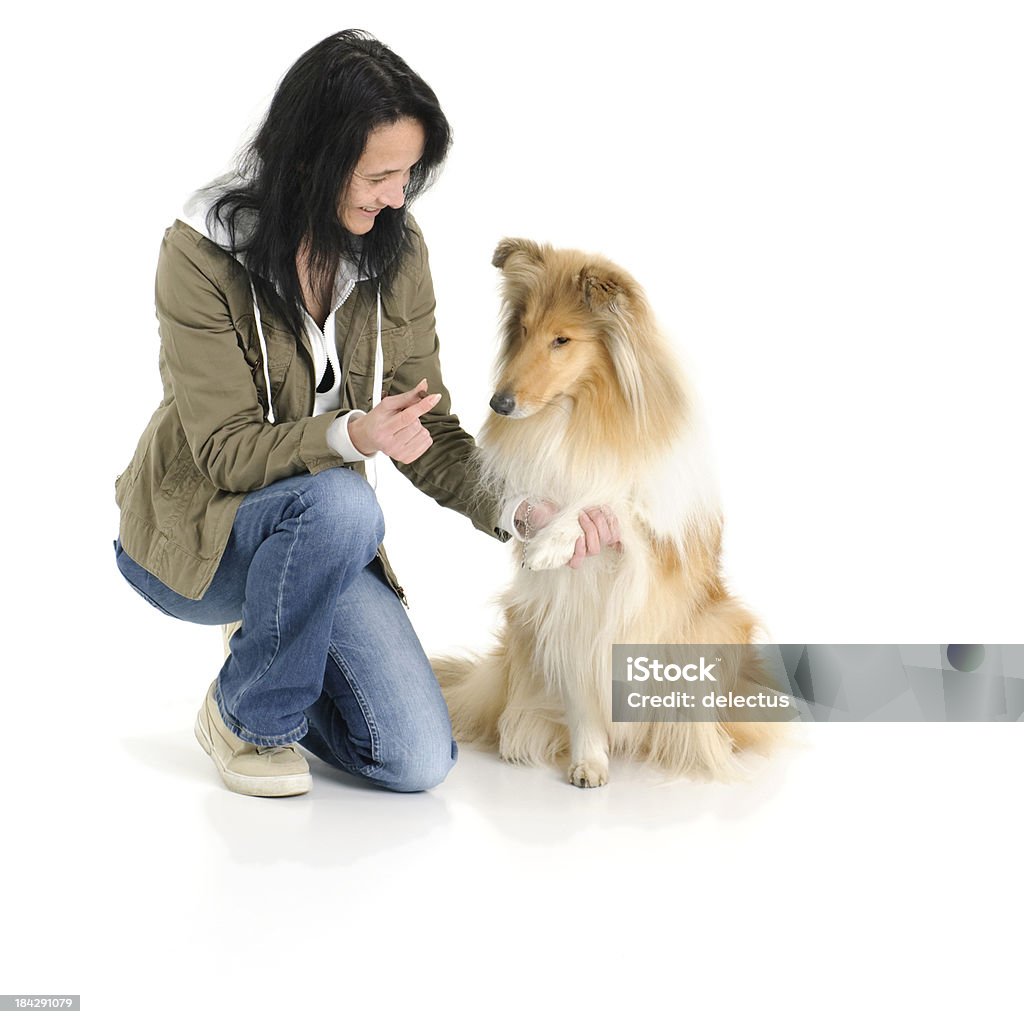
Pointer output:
x,y
254,771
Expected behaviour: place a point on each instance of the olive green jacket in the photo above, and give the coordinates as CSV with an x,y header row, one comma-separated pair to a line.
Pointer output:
x,y
209,444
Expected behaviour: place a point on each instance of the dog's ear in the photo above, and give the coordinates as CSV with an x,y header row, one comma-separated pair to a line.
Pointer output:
x,y
512,246
600,289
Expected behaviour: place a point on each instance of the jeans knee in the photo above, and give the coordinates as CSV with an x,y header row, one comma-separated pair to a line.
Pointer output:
x,y
415,770
345,502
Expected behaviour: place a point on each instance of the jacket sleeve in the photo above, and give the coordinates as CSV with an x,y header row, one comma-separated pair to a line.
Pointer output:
x,y
447,469
213,387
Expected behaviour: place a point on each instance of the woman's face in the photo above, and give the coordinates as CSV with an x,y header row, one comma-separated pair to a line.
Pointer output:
x,y
381,174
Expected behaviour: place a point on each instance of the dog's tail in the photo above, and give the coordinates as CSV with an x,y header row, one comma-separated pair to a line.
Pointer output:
x,y
758,737
476,692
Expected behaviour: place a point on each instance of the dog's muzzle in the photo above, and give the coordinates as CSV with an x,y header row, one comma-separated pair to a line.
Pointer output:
x,y
503,403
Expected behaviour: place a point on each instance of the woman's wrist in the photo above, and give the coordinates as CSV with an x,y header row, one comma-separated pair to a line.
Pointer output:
x,y
356,436
521,519
340,436
532,515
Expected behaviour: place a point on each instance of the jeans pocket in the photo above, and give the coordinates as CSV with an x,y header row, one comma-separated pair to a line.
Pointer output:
x,y
146,597
136,577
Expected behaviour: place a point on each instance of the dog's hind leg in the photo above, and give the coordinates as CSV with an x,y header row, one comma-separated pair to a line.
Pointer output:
x,y
532,734
531,729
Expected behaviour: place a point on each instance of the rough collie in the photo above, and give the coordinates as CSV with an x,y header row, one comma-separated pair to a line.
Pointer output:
x,y
594,412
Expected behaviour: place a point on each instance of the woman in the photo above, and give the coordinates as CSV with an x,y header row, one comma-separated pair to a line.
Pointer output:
x,y
297,341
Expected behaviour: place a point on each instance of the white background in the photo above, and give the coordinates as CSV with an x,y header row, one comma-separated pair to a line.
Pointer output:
x,y
823,202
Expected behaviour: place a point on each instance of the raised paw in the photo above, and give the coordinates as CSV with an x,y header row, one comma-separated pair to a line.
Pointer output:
x,y
588,774
553,546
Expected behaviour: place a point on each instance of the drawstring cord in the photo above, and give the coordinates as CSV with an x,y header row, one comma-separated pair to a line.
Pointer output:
x,y
378,367
378,359
378,387
263,352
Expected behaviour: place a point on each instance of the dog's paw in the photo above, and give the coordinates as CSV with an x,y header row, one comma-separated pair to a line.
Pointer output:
x,y
588,774
554,545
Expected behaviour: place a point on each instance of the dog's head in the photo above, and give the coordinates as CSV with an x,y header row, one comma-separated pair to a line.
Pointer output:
x,y
571,325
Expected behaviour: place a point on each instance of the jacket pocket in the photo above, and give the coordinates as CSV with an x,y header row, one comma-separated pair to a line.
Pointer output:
x,y
179,470
180,483
280,351
395,342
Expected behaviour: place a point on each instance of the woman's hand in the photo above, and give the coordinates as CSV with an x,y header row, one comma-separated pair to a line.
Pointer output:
x,y
600,529
393,426
599,525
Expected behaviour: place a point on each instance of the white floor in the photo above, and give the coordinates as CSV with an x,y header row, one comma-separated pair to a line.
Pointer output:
x,y
870,872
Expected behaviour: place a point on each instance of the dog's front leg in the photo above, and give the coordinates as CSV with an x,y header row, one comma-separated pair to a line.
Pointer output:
x,y
588,741
554,545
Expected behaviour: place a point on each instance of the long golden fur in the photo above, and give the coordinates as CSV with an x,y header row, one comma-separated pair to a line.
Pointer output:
x,y
596,414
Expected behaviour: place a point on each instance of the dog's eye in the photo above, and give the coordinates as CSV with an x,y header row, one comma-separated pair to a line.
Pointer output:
x,y
560,341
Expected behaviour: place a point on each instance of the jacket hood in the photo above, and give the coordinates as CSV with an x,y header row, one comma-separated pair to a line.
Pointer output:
x,y
197,208
196,213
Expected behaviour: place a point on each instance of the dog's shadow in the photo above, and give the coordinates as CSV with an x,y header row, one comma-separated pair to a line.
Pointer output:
x,y
538,806
535,806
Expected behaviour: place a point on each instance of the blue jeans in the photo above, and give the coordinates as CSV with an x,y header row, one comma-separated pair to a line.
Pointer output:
x,y
326,655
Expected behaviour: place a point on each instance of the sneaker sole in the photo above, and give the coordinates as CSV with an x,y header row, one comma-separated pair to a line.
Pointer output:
x,y
247,785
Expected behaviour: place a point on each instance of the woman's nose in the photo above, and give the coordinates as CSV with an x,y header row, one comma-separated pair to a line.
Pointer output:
x,y
393,194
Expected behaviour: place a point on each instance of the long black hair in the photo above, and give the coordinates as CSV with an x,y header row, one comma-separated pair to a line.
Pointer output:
x,y
293,172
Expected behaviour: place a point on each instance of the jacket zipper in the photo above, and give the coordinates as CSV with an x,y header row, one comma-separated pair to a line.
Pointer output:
x,y
322,334
394,584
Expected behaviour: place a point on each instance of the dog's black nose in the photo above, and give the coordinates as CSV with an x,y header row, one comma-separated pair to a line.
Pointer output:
x,y
503,403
